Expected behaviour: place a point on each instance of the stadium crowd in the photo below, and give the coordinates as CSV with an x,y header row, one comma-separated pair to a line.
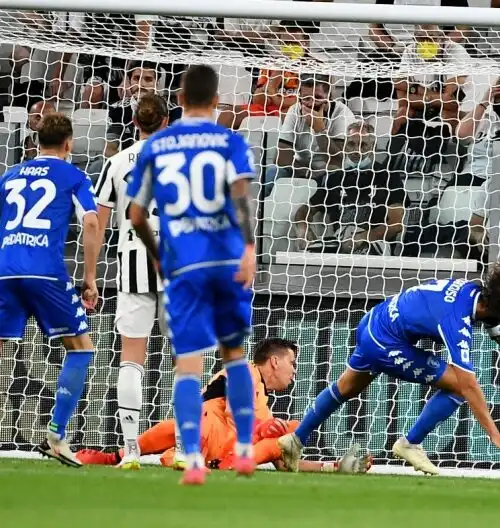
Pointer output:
x,y
395,165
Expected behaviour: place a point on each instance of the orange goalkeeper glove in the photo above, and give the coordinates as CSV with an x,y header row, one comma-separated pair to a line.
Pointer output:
x,y
272,428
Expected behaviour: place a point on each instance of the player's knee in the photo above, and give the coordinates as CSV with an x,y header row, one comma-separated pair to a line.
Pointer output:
x,y
80,342
189,364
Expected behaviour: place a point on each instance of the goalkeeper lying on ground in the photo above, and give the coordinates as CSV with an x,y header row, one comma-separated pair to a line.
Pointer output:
x,y
273,369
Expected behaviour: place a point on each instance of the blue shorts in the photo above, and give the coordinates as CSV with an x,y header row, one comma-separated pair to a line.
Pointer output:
x,y
205,307
53,303
400,360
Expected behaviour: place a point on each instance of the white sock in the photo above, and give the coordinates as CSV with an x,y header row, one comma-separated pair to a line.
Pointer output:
x,y
179,449
129,390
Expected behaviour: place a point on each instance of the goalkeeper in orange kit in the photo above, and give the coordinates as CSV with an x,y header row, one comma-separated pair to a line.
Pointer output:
x,y
273,369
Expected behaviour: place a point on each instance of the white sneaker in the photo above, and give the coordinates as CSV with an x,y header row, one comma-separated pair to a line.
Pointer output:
x,y
414,455
179,463
131,458
57,448
291,451
354,461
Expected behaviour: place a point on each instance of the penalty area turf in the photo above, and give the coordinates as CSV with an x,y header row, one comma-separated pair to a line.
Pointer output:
x,y
46,494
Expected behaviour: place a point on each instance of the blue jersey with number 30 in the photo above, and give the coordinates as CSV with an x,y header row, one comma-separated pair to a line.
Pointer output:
x,y
37,200
188,168
442,310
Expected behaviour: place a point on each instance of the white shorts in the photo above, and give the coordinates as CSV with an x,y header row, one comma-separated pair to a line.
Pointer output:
x,y
136,313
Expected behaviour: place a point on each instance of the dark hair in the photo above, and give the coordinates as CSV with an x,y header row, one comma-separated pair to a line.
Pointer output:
x,y
311,80
269,347
150,112
144,65
199,85
292,26
490,292
54,130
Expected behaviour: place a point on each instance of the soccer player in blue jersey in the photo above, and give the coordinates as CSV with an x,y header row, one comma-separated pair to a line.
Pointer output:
x,y
37,201
386,338
198,173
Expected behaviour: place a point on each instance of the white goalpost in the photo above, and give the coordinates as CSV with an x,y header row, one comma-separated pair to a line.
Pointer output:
x,y
335,234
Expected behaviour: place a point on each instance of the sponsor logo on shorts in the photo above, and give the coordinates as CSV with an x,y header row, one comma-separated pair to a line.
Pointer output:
x,y
83,326
465,332
58,330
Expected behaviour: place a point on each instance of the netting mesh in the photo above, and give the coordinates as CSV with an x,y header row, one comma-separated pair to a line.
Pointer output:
x,y
375,164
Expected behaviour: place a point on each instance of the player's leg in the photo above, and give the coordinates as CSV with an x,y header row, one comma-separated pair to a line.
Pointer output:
x,y
349,385
59,313
415,365
135,314
233,323
188,303
357,376
179,462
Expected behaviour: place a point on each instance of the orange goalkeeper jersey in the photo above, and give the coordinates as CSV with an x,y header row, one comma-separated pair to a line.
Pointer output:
x,y
216,404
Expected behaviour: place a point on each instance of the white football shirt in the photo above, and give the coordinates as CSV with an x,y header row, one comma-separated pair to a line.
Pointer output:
x,y
136,273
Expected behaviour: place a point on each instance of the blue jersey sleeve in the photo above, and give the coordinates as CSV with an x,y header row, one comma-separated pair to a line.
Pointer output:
x,y
240,163
84,197
456,333
140,185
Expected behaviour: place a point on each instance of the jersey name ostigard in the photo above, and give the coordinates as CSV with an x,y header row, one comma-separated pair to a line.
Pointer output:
x,y
190,166
37,200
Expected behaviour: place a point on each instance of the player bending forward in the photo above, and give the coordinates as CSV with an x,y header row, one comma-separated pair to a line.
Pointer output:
x,y
38,199
273,369
442,310
139,287
199,173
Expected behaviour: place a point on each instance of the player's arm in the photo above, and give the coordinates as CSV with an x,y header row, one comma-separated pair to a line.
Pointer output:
x,y
106,200
140,191
240,172
457,337
86,208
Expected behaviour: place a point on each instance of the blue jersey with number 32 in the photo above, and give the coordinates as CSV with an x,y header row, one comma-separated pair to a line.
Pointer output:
x,y
188,168
37,200
442,310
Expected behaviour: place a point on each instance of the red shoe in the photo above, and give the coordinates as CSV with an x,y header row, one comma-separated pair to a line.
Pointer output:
x,y
244,466
194,476
98,458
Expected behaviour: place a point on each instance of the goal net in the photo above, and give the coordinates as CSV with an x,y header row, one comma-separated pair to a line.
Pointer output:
x,y
374,144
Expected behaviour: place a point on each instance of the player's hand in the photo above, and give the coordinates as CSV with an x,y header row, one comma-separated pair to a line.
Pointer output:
x,y
355,461
246,273
90,295
272,428
495,439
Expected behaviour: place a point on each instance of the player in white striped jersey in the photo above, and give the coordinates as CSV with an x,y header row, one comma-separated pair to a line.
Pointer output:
x,y
139,286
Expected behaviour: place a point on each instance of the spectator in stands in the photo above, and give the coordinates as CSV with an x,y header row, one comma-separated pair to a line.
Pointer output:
x,y
478,129
387,42
312,137
36,112
363,202
275,91
429,96
142,78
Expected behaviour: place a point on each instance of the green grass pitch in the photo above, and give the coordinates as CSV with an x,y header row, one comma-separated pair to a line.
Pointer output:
x,y
45,494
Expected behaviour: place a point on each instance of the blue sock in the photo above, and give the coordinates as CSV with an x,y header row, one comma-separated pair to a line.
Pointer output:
x,y
240,398
187,408
69,388
327,402
440,407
